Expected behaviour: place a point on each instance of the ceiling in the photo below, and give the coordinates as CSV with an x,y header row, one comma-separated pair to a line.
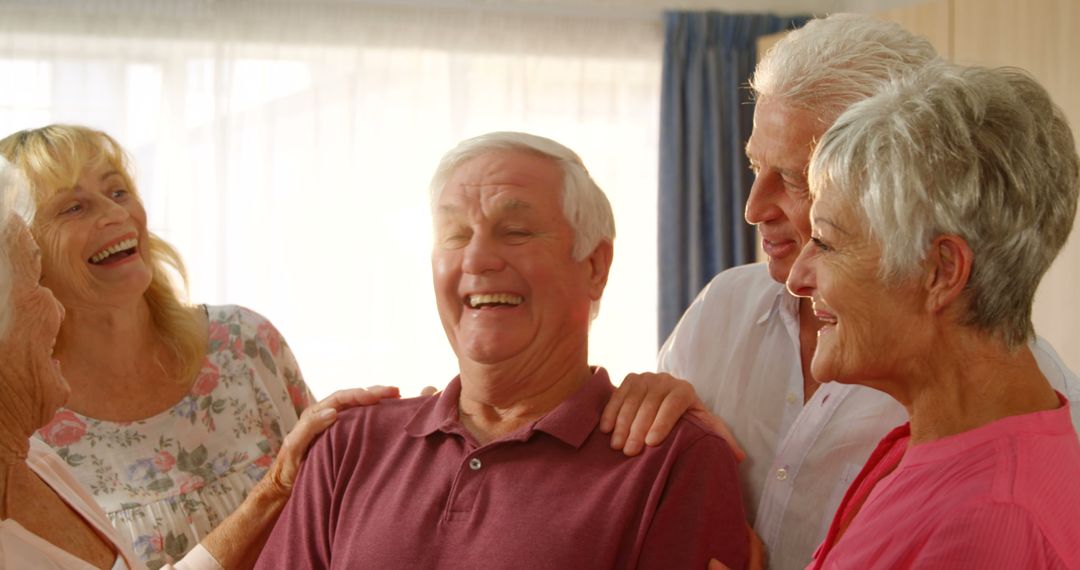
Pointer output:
x,y
619,9
636,8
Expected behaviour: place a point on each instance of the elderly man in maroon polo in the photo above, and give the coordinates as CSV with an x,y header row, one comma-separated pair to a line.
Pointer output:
x,y
507,466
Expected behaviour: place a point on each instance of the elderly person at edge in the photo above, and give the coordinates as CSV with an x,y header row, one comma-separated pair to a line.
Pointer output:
x,y
47,518
176,411
506,468
938,206
745,344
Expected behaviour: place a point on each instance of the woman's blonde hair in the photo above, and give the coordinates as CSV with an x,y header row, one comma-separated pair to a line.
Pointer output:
x,y
52,159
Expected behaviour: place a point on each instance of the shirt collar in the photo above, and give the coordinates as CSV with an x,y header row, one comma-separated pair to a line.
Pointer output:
x,y
438,413
571,421
783,304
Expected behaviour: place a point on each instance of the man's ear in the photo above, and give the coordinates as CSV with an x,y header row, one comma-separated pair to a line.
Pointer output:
x,y
948,269
599,265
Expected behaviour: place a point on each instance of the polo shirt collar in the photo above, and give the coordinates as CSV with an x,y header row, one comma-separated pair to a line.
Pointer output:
x,y
571,421
438,413
577,417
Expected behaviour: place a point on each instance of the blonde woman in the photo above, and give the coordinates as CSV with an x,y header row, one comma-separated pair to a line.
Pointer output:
x,y
176,411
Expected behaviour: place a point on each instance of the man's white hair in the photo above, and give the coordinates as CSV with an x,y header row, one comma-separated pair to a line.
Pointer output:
x,y
830,63
583,202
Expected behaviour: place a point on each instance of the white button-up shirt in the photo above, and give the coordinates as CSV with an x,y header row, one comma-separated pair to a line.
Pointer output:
x,y
738,344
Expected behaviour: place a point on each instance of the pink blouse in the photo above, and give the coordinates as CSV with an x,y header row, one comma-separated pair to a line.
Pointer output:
x,y
1002,495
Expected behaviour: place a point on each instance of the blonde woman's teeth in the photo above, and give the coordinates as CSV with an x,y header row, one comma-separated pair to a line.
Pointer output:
x,y
100,256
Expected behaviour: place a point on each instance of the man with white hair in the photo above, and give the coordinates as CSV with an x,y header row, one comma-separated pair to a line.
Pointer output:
x,y
507,467
745,344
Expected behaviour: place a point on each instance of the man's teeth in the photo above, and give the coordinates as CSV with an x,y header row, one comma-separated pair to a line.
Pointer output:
x,y
121,246
496,298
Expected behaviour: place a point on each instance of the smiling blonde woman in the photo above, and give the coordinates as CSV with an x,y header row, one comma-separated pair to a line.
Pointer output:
x,y
176,411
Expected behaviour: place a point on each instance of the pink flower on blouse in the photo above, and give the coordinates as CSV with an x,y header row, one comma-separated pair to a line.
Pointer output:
x,y
191,484
220,336
264,461
270,337
207,380
65,429
298,396
219,332
157,542
164,461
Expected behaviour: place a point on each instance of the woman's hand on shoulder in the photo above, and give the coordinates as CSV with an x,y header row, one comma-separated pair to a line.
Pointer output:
x,y
315,419
238,540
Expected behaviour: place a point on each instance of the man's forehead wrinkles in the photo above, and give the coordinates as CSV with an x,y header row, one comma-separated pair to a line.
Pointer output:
x,y
492,204
448,208
785,163
495,187
496,192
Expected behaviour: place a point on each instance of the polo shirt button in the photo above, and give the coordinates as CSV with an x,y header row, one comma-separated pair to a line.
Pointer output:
x,y
475,464
781,474
791,398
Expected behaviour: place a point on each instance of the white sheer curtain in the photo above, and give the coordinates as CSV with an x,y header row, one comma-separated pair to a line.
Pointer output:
x,y
286,152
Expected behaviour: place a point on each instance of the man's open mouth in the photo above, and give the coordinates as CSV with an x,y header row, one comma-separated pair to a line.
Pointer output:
x,y
491,300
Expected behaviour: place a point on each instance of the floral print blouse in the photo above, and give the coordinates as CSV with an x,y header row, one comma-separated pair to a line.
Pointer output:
x,y
168,480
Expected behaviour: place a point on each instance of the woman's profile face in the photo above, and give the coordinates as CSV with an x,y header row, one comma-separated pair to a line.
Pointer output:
x,y
869,327
37,316
94,238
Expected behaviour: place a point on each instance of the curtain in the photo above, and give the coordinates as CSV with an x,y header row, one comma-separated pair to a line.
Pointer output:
x,y
285,149
706,119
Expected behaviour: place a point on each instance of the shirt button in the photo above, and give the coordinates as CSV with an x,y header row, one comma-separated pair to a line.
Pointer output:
x,y
781,474
475,464
791,398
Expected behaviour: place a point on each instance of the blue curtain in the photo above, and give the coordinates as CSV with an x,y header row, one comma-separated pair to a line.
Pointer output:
x,y
706,119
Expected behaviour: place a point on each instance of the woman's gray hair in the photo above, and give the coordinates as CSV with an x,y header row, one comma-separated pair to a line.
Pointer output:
x,y
14,202
830,63
584,204
979,153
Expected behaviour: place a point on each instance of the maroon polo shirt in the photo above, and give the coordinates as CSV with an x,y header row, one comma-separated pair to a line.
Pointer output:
x,y
404,485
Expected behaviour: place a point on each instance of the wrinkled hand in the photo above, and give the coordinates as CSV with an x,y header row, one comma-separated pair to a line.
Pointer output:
x,y
238,540
645,408
756,561
315,419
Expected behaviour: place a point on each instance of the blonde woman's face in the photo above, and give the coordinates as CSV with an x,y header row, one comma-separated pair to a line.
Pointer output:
x,y
94,240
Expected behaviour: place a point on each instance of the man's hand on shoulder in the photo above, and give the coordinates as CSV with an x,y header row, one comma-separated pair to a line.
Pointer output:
x,y
645,408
